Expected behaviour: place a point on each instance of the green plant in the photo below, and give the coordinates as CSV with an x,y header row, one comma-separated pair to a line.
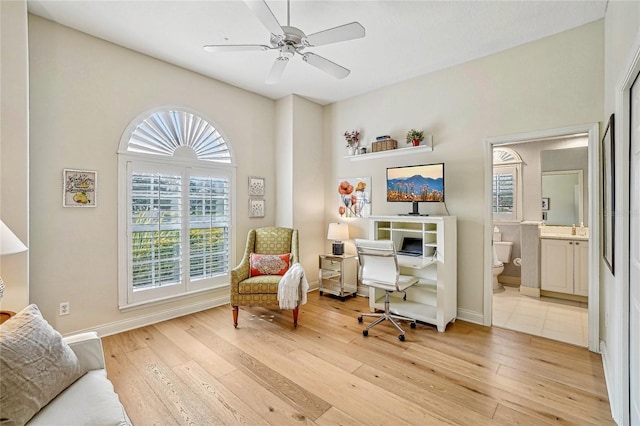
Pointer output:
x,y
414,134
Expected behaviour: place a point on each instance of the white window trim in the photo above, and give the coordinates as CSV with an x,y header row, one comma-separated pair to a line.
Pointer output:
x,y
180,159
516,215
504,159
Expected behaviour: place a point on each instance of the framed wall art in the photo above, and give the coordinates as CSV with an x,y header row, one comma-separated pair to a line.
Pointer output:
x,y
545,204
79,188
256,208
256,186
608,195
354,197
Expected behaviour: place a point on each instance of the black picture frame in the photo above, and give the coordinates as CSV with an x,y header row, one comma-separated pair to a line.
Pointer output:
x,y
608,195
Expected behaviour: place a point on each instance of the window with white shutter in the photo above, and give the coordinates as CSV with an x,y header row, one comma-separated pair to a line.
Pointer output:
x,y
176,215
507,186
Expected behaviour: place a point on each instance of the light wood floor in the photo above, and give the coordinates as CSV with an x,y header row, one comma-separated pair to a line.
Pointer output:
x,y
199,370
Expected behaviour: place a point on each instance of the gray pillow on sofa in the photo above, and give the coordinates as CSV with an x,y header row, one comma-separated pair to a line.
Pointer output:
x,y
35,366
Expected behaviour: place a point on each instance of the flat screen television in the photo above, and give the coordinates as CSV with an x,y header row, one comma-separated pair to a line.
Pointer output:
x,y
415,184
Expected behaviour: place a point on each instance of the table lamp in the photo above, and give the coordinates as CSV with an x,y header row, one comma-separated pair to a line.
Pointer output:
x,y
9,244
337,233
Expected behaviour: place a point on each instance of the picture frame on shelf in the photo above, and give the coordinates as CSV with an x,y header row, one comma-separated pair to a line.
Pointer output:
x,y
256,186
79,188
256,208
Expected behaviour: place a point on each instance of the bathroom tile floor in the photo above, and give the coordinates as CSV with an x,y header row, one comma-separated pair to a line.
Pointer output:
x,y
555,319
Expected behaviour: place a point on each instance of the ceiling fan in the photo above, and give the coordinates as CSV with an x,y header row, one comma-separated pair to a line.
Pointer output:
x,y
290,40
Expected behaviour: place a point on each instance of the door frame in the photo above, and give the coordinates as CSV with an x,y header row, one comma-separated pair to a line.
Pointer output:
x,y
593,132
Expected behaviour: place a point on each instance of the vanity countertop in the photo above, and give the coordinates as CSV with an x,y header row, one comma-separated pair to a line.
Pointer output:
x,y
565,237
563,233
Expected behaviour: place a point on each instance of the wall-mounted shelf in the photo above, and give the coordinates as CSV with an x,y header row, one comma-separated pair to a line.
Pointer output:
x,y
427,146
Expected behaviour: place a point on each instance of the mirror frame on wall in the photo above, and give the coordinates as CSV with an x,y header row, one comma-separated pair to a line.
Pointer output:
x,y
580,218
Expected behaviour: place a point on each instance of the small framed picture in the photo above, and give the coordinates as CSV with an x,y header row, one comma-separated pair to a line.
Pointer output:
x,y
256,186
79,188
545,204
256,208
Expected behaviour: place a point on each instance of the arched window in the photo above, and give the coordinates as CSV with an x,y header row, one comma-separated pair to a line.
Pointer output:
x,y
176,178
507,186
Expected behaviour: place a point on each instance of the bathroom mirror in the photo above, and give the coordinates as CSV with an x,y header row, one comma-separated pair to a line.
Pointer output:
x,y
562,197
563,171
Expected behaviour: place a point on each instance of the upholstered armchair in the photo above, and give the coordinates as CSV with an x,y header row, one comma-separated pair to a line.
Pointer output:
x,y
262,290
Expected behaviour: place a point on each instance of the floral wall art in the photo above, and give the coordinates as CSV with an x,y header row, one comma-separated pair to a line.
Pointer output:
x,y
354,197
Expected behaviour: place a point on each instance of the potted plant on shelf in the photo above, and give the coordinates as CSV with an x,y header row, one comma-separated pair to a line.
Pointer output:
x,y
415,137
352,141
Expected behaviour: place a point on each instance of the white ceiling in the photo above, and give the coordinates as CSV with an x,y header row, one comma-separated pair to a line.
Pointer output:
x,y
404,39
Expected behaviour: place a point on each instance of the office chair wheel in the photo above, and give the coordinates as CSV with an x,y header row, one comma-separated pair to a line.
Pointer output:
x,y
401,337
365,333
360,320
413,325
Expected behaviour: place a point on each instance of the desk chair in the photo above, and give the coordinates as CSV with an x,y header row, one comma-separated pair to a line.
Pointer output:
x,y
379,269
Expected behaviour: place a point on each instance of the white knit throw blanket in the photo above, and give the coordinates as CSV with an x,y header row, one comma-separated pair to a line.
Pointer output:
x,y
293,287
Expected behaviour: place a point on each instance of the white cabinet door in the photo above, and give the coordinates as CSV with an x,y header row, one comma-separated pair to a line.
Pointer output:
x,y
581,268
557,266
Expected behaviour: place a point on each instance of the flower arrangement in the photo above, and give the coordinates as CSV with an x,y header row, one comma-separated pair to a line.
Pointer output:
x,y
415,135
352,138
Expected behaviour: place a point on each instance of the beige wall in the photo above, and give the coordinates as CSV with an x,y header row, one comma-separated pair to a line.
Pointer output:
x,y
300,171
14,148
551,83
84,93
622,41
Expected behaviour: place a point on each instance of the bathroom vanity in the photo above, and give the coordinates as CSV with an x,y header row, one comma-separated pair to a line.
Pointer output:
x,y
564,260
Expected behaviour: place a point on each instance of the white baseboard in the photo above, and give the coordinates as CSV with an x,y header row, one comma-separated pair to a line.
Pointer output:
x,y
470,316
530,291
155,317
609,380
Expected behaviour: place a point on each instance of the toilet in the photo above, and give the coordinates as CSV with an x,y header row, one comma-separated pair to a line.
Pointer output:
x,y
501,255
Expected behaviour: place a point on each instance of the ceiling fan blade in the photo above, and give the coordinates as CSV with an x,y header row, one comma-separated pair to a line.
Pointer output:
x,y
277,69
235,47
326,65
334,35
265,15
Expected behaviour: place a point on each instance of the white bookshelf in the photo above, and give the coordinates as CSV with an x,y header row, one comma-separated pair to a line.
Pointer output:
x,y
434,299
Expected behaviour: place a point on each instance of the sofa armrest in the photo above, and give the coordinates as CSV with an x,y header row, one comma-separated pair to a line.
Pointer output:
x,y
88,349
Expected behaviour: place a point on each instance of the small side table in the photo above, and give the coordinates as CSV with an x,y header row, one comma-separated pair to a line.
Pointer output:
x,y
5,315
337,275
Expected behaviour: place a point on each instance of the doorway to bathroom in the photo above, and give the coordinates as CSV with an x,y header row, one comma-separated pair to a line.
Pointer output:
x,y
523,213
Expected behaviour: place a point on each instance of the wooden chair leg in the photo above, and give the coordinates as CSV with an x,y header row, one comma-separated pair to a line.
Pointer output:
x,y
235,316
295,316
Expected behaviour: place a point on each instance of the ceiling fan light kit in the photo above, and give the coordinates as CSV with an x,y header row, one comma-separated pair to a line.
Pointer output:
x,y
291,40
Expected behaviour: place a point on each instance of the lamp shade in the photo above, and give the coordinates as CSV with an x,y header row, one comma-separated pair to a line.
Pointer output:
x,y
338,231
9,243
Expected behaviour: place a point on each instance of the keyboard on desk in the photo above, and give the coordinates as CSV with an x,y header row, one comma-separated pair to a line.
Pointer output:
x,y
409,253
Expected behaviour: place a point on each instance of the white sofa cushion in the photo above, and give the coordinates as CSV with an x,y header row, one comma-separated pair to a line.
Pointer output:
x,y
90,401
35,366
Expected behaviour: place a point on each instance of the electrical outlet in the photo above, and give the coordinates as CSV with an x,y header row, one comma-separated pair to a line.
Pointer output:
x,y
65,308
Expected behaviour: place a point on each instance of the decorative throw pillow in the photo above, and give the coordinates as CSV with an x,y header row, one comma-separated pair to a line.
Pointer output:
x,y
36,365
269,264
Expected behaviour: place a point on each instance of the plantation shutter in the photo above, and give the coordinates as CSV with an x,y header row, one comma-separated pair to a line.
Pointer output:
x,y
209,222
156,233
175,213
504,193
